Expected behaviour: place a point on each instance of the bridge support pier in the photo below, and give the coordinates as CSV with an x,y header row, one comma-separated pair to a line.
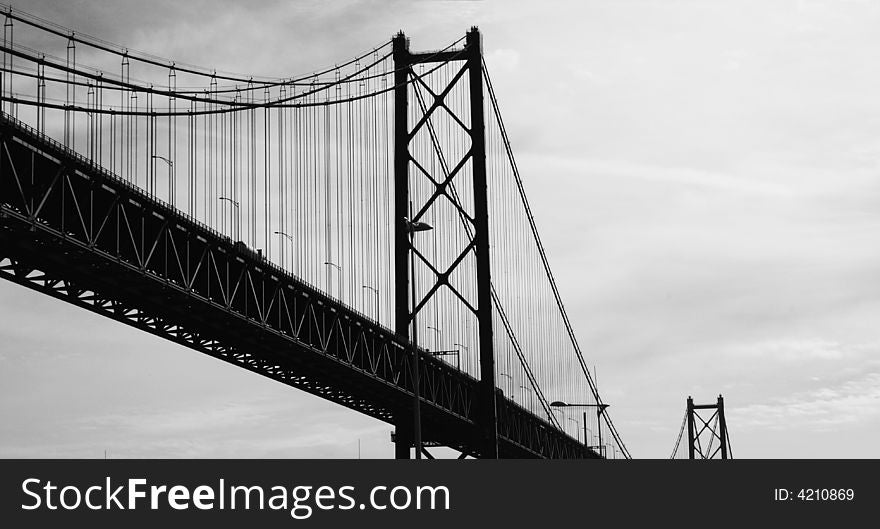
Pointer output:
x,y
403,435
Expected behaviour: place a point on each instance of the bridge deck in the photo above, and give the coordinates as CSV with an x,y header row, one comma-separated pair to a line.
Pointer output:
x,y
72,230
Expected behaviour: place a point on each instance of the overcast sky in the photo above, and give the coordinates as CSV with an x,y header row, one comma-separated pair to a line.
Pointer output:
x,y
705,174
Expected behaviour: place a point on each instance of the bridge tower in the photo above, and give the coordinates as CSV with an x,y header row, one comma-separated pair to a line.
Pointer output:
x,y
410,209
702,437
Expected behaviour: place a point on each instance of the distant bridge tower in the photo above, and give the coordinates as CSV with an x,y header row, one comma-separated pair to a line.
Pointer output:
x,y
707,438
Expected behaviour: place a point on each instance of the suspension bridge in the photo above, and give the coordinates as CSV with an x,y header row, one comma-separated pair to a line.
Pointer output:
x,y
360,232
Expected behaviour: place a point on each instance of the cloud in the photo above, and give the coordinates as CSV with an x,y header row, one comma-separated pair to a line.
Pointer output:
x,y
852,402
667,175
261,425
503,60
802,351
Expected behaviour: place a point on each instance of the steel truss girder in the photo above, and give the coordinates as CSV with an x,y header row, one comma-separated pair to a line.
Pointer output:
x,y
72,231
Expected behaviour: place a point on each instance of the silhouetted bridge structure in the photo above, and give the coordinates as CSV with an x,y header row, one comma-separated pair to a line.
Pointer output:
x,y
293,209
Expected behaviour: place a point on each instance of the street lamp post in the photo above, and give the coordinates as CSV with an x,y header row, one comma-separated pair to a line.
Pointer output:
x,y
289,238
376,291
412,228
509,385
170,176
572,419
459,354
531,394
236,205
338,269
439,337
600,409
